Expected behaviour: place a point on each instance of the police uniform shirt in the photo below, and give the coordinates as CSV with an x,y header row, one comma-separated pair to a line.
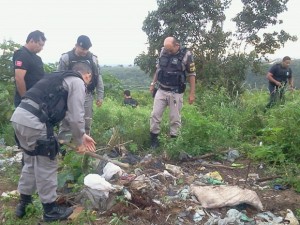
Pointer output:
x,y
74,114
188,62
280,73
32,63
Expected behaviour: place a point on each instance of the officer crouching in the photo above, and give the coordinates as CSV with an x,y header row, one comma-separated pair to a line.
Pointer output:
x,y
58,96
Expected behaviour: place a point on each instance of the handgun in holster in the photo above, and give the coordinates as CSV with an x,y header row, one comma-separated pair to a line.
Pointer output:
x,y
47,147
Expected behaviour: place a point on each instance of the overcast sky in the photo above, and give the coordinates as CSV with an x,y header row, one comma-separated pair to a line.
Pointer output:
x,y
114,26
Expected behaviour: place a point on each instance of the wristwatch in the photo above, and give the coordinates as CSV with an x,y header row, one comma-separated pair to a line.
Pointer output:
x,y
152,83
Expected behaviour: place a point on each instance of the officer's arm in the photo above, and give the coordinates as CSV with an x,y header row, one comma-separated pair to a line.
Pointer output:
x,y
192,81
20,81
271,79
63,63
100,85
291,82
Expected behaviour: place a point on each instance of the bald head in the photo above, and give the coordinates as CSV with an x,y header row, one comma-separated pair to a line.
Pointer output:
x,y
171,45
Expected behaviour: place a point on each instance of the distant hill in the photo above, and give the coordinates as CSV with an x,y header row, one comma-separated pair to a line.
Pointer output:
x,y
131,77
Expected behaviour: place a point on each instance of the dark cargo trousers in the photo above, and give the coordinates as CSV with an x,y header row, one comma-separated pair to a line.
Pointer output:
x,y
276,95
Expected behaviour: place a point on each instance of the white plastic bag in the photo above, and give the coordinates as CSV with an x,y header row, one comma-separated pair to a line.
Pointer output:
x,y
111,169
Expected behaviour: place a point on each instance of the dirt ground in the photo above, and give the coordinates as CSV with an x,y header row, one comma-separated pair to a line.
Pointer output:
x,y
141,209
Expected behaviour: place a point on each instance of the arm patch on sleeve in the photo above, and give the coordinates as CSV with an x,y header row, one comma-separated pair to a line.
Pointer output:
x,y
192,67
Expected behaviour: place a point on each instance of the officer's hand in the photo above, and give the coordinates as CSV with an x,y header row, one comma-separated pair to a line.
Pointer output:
x,y
99,103
151,88
278,83
89,143
191,99
81,149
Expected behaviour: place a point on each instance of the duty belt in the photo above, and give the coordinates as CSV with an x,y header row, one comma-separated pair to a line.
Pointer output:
x,y
173,89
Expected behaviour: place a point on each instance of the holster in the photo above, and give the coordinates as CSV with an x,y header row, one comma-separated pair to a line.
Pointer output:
x,y
47,147
154,91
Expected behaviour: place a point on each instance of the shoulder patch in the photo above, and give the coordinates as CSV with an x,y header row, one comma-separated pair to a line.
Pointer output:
x,y
18,63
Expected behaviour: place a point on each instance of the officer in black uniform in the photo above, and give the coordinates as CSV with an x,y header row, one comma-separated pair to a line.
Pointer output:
x,y
279,75
28,66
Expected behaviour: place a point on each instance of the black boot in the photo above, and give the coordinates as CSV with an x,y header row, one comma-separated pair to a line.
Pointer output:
x,y
154,140
53,212
21,207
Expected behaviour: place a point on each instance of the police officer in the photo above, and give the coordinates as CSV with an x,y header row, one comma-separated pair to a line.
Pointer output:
x,y
175,65
28,66
56,97
279,74
81,53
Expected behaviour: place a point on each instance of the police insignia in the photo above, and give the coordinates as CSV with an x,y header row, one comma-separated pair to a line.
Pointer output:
x,y
192,67
18,63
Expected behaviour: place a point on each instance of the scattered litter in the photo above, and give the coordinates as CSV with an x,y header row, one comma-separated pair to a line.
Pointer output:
x,y
110,170
97,182
184,193
176,170
237,165
198,216
146,159
269,217
220,196
76,213
127,194
280,187
214,175
17,158
232,155
140,182
10,194
233,216
290,218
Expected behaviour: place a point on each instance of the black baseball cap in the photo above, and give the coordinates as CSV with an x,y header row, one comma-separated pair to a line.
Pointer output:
x,y
84,41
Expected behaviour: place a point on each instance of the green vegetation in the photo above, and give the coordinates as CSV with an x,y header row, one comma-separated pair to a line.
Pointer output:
x,y
230,98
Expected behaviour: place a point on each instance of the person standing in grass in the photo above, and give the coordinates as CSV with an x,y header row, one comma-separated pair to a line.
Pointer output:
x,y
81,53
175,66
278,76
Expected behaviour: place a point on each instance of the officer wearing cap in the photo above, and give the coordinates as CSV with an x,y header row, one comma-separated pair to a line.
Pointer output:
x,y
81,53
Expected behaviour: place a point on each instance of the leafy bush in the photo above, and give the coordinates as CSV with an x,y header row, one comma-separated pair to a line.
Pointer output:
x,y
131,123
199,135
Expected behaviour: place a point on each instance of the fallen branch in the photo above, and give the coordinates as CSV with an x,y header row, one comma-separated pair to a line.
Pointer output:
x,y
207,155
219,166
268,178
94,155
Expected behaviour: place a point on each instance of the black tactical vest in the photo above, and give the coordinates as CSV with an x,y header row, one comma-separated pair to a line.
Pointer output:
x,y
171,72
73,59
51,96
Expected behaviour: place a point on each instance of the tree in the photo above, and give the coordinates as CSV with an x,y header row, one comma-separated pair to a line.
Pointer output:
x,y
6,67
198,24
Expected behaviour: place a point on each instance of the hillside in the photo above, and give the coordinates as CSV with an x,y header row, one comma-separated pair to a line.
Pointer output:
x,y
134,79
